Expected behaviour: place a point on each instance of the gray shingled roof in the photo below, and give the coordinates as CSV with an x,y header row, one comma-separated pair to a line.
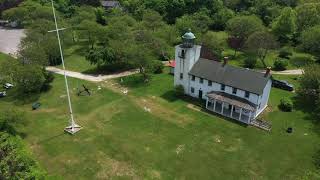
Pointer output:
x,y
240,78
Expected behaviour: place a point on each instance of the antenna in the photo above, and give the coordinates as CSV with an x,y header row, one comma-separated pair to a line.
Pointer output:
x,y
73,127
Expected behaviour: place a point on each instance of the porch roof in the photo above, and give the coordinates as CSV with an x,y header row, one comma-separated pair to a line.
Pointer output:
x,y
231,99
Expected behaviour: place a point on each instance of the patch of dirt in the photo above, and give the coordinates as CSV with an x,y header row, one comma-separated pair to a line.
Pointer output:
x,y
217,139
180,148
193,107
155,174
110,168
234,147
163,112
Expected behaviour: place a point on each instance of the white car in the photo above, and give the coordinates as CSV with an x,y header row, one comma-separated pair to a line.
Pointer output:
x,y
8,85
3,94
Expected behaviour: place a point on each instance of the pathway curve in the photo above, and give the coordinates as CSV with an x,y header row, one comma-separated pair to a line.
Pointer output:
x,y
91,77
286,72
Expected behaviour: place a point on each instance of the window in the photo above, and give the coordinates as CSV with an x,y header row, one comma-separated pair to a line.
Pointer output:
x,y
209,83
181,75
182,54
192,90
201,80
234,90
247,94
193,78
223,87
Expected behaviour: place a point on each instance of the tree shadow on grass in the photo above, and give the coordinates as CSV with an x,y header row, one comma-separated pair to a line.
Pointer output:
x,y
108,69
170,96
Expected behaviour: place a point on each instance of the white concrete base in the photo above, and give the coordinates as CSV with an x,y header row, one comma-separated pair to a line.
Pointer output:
x,y
72,130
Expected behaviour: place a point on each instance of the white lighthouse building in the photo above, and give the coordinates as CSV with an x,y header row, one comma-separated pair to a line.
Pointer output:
x,y
234,92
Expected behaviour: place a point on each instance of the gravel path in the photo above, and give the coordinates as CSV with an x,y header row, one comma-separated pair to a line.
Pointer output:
x,y
286,72
10,40
90,77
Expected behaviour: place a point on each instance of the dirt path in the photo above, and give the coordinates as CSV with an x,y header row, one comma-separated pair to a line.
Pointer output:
x,y
286,72
90,77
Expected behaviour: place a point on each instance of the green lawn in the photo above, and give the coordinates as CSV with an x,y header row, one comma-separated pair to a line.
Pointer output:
x,y
4,57
120,140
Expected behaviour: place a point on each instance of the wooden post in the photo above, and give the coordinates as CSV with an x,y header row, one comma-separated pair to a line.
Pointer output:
x,y
207,103
214,105
222,107
240,114
250,113
231,111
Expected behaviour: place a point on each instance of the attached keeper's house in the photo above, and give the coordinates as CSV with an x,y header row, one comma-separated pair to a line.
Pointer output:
x,y
234,92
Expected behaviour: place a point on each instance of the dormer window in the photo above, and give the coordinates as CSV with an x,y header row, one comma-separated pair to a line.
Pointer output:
x,y
234,90
247,94
222,87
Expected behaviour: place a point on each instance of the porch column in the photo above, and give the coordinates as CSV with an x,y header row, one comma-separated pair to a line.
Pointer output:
x,y
222,107
231,111
214,105
207,103
250,112
240,114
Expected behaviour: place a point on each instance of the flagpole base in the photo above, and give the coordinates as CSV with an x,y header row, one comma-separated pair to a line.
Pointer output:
x,y
72,130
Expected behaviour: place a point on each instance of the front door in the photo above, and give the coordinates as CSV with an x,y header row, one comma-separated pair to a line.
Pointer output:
x,y
200,94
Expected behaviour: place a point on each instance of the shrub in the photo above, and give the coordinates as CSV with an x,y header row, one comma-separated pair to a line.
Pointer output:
x,y
280,64
250,62
285,53
179,90
158,67
301,60
286,105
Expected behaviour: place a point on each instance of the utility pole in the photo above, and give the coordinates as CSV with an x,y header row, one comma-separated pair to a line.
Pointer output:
x,y
73,127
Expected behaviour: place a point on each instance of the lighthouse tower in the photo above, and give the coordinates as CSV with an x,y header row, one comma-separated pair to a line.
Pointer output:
x,y
186,55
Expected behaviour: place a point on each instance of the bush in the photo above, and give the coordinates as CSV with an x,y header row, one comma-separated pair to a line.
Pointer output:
x,y
179,90
301,60
49,77
158,67
250,62
280,64
286,105
285,53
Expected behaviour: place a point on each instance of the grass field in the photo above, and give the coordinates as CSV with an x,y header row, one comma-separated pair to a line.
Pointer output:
x,y
120,140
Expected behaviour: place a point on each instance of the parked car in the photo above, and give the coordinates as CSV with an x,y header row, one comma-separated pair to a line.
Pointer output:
x,y
3,94
282,85
8,85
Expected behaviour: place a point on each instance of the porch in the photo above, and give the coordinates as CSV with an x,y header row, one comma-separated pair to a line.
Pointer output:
x,y
231,107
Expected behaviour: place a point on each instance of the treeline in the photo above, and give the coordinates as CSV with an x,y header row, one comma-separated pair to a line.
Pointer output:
x,y
7,4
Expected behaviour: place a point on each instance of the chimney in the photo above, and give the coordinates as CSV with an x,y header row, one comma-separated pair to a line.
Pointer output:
x,y
268,71
225,60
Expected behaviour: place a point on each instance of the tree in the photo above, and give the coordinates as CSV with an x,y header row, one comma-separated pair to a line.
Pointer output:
x,y
198,23
221,18
285,25
308,15
310,84
10,119
240,28
31,53
15,161
92,31
260,43
152,20
215,42
310,41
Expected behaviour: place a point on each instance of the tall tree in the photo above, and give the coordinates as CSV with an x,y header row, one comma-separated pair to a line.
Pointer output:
x,y
308,15
310,41
285,25
260,43
241,27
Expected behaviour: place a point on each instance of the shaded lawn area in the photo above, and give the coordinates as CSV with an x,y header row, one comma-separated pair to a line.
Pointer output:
x,y
121,140
4,57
